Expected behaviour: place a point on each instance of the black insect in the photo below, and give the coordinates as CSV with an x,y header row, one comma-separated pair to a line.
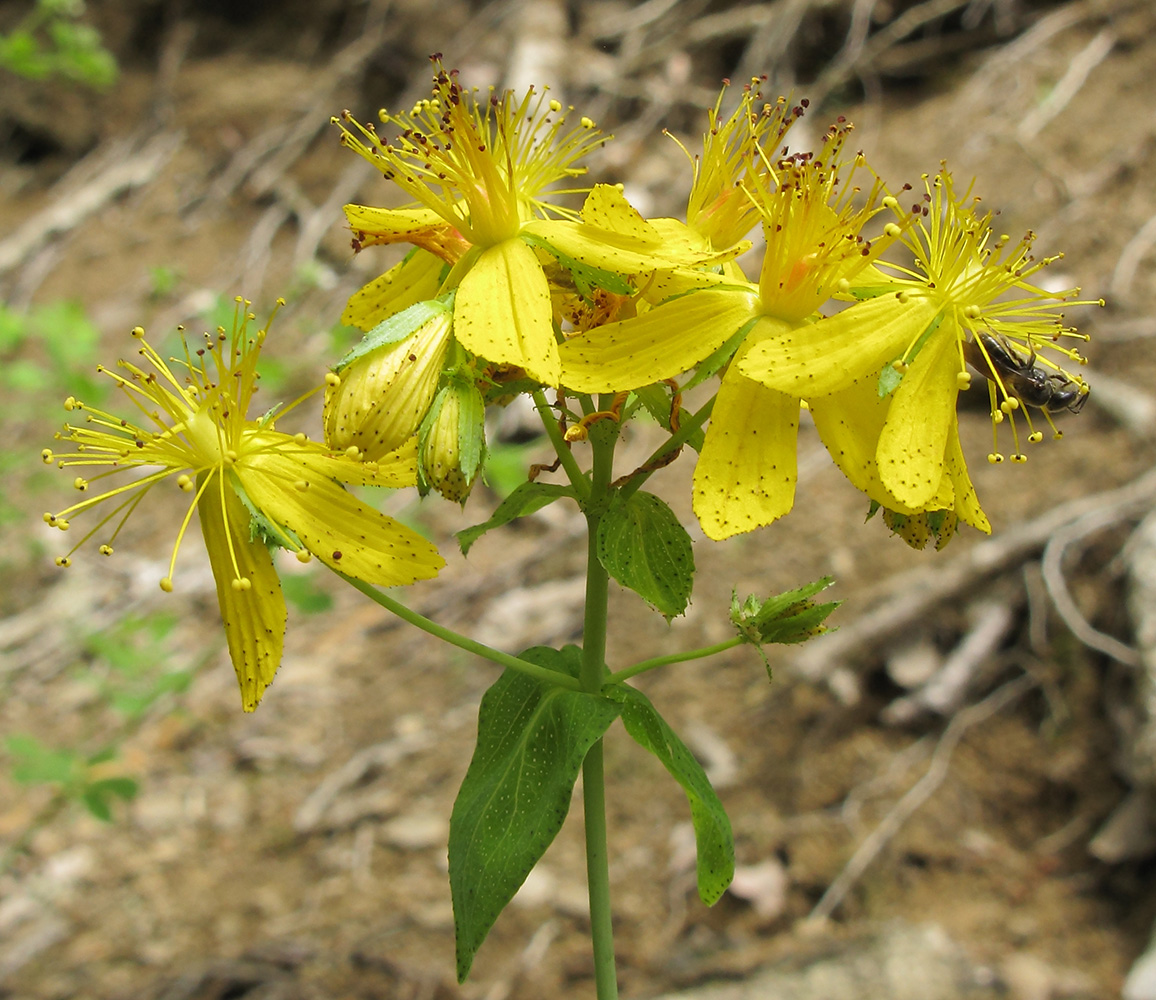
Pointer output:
x,y
1031,385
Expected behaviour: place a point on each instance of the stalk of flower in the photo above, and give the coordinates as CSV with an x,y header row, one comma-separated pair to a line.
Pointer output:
x,y
378,394
745,476
967,286
253,487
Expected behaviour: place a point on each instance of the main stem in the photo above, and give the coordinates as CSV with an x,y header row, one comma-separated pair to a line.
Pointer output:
x,y
592,677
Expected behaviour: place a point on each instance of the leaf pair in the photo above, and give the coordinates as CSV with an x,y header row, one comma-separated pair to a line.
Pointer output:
x,y
532,739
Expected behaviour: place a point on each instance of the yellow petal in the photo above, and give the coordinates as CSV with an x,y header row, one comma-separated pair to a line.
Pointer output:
x,y
391,225
415,279
502,311
607,208
849,423
824,357
396,470
921,415
342,531
254,617
621,253
745,476
966,501
661,343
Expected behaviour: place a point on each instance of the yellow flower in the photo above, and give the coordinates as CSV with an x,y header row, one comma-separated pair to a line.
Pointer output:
x,y
745,476
732,163
253,487
907,344
480,170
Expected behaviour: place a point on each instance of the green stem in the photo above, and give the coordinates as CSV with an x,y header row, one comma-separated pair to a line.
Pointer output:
x,y
573,470
461,641
676,440
592,675
598,873
662,661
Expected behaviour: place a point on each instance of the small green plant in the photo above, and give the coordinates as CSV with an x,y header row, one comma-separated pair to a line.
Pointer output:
x,y
52,41
136,653
75,777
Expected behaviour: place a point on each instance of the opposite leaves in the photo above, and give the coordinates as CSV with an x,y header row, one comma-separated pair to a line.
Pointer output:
x,y
532,739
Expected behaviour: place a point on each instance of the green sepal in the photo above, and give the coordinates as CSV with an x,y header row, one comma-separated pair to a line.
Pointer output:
x,y
471,441
532,739
889,379
526,499
398,327
643,545
274,535
714,362
714,841
789,617
586,278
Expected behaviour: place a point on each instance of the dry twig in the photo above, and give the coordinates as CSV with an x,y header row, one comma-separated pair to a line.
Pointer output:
x,y
919,793
1057,586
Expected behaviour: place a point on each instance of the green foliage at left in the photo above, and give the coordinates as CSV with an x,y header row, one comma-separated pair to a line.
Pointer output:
x,y
53,42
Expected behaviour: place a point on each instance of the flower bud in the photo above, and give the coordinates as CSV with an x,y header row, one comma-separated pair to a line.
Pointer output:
x,y
453,441
381,396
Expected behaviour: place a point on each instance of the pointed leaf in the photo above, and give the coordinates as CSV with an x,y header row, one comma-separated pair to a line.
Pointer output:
x,y
644,546
712,829
532,739
526,499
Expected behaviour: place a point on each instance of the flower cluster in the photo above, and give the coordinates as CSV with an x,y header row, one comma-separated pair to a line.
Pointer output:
x,y
869,308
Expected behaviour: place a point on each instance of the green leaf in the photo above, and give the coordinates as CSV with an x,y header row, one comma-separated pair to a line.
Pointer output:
x,y
645,547
97,804
96,797
532,739
122,788
526,499
712,829
35,763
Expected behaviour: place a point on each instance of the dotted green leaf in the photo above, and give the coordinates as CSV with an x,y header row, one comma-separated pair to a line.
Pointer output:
x,y
532,739
645,548
712,829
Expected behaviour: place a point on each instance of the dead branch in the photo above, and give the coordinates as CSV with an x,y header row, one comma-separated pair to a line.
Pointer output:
x,y
911,595
1135,250
947,690
919,793
1057,585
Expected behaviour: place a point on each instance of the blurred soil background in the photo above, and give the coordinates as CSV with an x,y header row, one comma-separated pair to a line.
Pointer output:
x,y
949,797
